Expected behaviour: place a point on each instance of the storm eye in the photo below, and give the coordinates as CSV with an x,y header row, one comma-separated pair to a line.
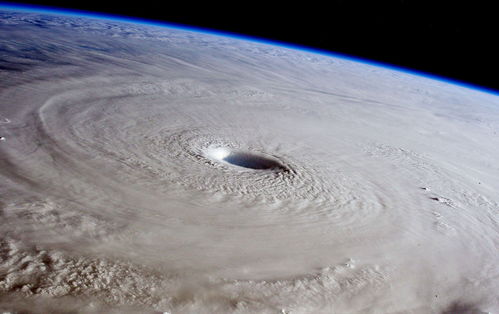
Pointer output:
x,y
244,159
250,161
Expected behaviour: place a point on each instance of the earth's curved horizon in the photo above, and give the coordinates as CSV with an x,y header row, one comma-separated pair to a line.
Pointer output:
x,y
147,168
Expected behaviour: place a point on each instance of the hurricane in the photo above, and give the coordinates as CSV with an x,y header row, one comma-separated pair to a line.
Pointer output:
x,y
155,169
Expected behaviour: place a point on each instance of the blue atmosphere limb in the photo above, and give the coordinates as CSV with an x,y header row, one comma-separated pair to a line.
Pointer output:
x,y
134,20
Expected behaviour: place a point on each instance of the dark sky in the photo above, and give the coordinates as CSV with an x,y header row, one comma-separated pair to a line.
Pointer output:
x,y
455,39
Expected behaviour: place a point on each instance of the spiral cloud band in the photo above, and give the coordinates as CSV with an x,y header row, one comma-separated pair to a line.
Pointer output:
x,y
147,168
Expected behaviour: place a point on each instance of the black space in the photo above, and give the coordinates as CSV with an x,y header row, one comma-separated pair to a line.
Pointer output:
x,y
457,40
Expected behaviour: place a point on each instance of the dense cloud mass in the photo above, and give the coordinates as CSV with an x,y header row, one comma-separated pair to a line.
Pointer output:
x,y
146,168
